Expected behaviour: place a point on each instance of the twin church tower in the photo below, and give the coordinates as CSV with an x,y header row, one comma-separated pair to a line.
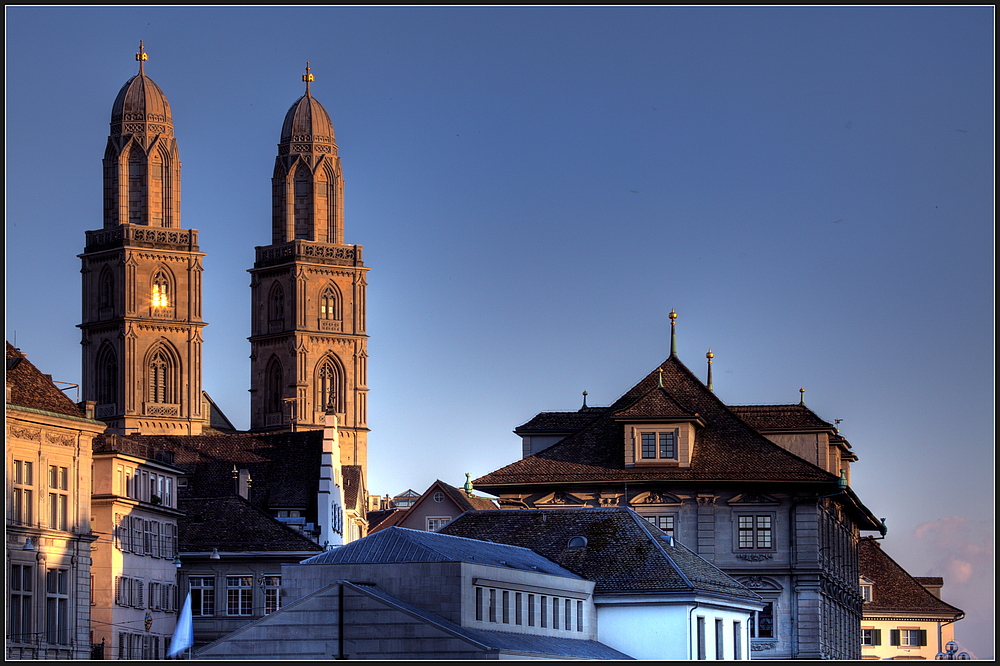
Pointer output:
x,y
142,285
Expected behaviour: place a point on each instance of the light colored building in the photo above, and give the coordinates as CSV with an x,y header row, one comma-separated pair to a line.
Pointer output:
x,y
762,493
655,599
904,616
411,594
136,513
47,451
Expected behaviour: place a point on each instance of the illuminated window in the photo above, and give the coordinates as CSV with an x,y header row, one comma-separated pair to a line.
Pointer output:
x,y
58,497
160,297
272,593
329,305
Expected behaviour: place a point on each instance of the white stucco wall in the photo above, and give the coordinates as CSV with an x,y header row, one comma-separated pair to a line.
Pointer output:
x,y
667,630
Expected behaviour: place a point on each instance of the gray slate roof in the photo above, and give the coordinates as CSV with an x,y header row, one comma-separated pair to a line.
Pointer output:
x,y
399,544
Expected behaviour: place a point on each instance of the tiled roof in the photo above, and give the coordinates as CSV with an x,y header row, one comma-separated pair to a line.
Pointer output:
x,y
30,388
284,467
464,501
727,448
398,544
780,417
893,589
232,524
624,553
378,520
355,495
560,421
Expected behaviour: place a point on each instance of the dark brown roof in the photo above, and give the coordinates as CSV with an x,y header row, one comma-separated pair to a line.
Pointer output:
x,y
388,516
30,388
464,501
284,468
233,525
727,448
893,589
558,422
623,552
355,495
780,417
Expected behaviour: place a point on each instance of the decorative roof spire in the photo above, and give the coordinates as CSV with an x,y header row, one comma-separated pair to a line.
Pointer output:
x,y
802,397
673,333
710,356
659,379
468,484
142,57
308,78
584,401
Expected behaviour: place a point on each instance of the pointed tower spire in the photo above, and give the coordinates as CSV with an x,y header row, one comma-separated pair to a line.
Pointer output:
x,y
673,333
710,356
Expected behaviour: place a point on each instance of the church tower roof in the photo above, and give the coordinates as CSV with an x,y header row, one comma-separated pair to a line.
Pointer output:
x,y
307,120
141,100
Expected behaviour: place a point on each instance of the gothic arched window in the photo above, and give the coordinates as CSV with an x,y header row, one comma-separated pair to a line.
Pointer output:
x,y
302,185
106,293
329,304
106,374
276,304
160,295
161,377
274,388
329,386
136,185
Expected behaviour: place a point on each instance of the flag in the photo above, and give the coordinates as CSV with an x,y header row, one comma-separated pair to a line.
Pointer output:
x,y
184,631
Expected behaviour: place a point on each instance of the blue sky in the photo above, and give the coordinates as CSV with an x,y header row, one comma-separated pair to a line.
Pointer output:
x,y
811,189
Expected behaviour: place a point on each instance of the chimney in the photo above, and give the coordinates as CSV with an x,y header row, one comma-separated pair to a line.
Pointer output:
x,y
243,484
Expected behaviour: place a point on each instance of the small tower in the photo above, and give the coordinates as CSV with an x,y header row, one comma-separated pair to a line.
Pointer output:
x,y
309,348
142,277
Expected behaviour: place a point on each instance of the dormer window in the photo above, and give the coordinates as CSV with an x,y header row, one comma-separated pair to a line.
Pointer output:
x,y
659,445
668,444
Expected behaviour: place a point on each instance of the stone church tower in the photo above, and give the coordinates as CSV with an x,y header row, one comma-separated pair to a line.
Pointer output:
x,y
142,278
309,348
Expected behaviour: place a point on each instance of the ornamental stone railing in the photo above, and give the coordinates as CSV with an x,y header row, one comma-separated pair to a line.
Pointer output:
x,y
138,235
311,251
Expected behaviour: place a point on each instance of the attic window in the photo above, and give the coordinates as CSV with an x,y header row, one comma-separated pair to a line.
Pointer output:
x,y
659,445
577,542
438,496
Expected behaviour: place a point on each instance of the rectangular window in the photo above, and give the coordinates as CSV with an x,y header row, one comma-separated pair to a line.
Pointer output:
x,y
137,535
57,606
493,605
871,637
568,615
762,622
436,523
202,595
668,445
737,640
664,522
479,603
543,620
20,588
866,593
660,445
531,610
555,612
579,616
649,445
702,651
58,497
23,512
908,637
720,647
506,607
239,595
518,614
754,532
272,593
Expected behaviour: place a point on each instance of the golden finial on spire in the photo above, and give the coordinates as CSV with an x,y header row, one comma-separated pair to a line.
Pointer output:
x,y
802,396
308,77
141,56
673,333
710,355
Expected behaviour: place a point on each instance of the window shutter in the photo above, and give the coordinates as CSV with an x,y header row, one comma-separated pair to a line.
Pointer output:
x,y
118,590
894,637
876,637
922,637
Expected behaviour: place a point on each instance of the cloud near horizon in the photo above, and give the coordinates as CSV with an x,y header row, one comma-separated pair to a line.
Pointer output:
x,y
965,548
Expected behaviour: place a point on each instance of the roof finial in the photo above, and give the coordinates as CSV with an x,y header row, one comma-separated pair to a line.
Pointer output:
x,y
142,57
468,484
308,77
673,333
802,397
584,401
659,379
710,356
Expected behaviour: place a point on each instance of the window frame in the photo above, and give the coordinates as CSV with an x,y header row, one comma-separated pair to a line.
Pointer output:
x,y
758,537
